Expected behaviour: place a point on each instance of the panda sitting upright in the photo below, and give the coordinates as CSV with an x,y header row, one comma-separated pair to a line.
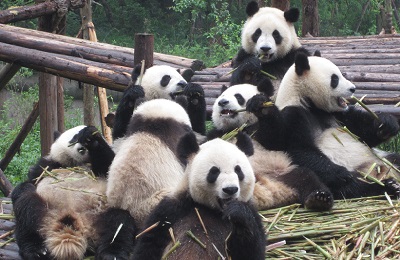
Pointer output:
x,y
279,181
269,44
161,82
212,203
309,121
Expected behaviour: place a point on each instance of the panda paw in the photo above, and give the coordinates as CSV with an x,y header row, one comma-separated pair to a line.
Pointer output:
x,y
89,137
112,255
392,187
387,126
193,92
250,65
237,212
258,105
36,252
131,94
319,200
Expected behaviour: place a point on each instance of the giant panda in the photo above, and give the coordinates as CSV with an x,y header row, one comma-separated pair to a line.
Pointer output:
x,y
213,202
269,44
279,182
58,209
147,164
160,82
309,122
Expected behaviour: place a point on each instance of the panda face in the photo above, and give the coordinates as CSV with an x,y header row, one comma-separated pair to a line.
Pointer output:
x,y
224,113
66,151
270,34
317,80
220,172
162,81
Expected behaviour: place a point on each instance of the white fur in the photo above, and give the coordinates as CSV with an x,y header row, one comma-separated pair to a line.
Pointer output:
x,y
314,84
224,156
67,154
234,120
269,19
163,108
151,82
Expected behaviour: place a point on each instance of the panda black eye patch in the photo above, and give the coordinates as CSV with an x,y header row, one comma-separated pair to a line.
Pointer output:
x,y
213,174
277,37
165,80
239,172
240,99
256,35
334,80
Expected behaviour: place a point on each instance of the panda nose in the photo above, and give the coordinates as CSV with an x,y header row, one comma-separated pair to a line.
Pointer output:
x,y
352,89
182,84
265,49
223,102
230,190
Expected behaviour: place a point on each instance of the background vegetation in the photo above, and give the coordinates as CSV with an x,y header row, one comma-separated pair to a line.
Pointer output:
x,y
208,30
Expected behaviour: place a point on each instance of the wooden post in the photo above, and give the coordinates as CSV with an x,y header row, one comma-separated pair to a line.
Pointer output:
x,y
61,27
47,97
7,72
144,49
5,185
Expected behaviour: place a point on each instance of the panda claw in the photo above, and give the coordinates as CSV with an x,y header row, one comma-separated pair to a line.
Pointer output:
x,y
319,200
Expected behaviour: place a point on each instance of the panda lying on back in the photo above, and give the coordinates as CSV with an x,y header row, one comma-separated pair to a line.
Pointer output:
x,y
59,213
279,181
218,184
308,121
269,43
161,82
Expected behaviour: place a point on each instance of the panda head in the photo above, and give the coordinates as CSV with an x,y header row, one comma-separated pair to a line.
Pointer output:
x,y
269,33
314,81
224,115
160,81
67,151
219,171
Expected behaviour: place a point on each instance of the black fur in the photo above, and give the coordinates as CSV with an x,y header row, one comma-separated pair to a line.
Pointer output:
x,y
43,163
292,15
120,247
247,240
196,107
252,8
244,143
29,210
187,146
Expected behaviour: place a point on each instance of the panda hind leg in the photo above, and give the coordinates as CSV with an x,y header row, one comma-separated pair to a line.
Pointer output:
x,y
29,211
313,194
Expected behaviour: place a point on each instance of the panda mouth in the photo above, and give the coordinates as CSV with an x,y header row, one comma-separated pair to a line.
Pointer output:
x,y
342,102
265,56
228,113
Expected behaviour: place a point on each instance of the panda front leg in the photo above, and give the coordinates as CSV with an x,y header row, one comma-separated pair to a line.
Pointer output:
x,y
196,107
29,211
116,230
248,239
125,109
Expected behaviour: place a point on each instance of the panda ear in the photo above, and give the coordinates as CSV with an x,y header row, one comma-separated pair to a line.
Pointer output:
x,y
301,63
244,143
292,15
317,53
223,88
266,87
252,8
187,74
187,146
56,134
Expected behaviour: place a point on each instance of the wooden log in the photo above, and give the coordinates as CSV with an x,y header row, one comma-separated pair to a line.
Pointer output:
x,y
13,15
68,67
371,77
5,185
178,61
7,73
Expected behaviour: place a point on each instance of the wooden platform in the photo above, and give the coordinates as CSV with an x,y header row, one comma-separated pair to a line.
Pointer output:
x,y
372,63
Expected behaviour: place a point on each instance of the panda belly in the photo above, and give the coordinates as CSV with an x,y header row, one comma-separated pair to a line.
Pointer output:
x,y
74,201
342,149
217,233
143,171
269,166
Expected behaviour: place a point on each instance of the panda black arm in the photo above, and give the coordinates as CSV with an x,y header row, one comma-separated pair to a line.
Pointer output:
x,y
125,109
122,245
100,153
248,239
270,133
371,130
29,211
43,163
151,244
196,107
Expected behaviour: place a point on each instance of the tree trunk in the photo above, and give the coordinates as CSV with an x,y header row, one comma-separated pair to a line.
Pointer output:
x,y
281,4
310,21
